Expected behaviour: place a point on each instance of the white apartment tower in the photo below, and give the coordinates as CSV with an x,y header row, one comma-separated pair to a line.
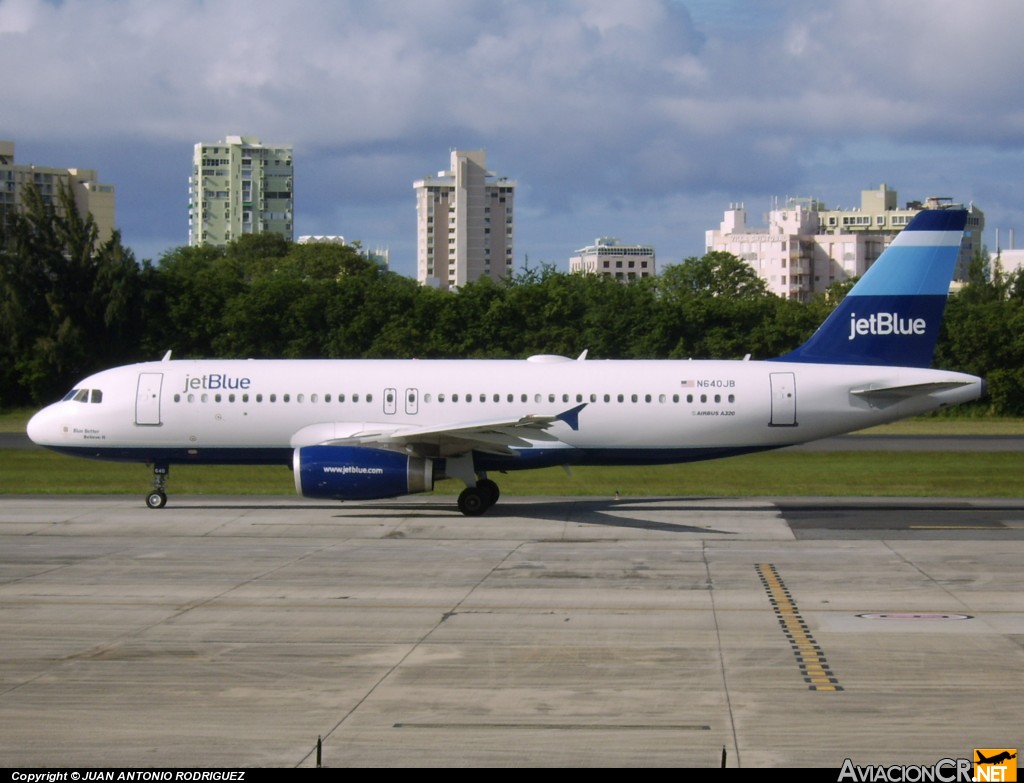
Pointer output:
x,y
464,223
610,258
91,197
240,186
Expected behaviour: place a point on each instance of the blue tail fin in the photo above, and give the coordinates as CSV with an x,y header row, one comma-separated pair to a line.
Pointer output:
x,y
893,314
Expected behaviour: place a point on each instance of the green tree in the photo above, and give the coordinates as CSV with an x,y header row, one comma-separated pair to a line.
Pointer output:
x,y
190,295
715,307
715,274
70,304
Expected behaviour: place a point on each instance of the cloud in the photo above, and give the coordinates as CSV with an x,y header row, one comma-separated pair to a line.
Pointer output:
x,y
595,107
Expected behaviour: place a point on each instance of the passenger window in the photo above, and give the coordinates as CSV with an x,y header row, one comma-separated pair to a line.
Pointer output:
x,y
732,398
607,398
621,398
440,397
259,398
455,398
327,398
565,398
718,398
703,398
675,398
355,398
300,398
191,398
633,397
689,398
273,398
231,398
551,398
341,398
661,398
369,398
647,398
216,398
287,398
177,398
245,398
483,398
205,398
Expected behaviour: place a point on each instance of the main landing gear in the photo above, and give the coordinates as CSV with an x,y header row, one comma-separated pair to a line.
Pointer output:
x,y
474,501
158,497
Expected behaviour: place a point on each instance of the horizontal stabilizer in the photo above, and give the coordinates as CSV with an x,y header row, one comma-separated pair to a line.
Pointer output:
x,y
907,391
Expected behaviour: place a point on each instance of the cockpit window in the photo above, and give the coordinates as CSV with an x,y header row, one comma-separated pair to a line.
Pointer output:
x,y
84,395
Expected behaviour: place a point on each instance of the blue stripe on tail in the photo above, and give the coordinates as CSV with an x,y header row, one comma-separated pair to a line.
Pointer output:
x,y
893,314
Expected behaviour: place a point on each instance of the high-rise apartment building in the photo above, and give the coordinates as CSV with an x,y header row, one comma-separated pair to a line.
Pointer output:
x,y
240,186
91,197
609,257
806,247
464,223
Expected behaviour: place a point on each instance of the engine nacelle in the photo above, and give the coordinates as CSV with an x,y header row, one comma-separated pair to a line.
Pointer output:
x,y
358,473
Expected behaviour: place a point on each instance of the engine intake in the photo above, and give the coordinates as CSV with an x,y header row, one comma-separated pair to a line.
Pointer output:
x,y
358,473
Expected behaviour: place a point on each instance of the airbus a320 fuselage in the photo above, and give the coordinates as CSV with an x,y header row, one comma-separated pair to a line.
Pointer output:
x,y
368,429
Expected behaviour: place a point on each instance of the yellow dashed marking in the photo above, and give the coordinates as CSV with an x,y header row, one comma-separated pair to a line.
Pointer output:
x,y
809,657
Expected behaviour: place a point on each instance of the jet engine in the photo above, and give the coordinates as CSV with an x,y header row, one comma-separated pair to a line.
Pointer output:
x,y
359,473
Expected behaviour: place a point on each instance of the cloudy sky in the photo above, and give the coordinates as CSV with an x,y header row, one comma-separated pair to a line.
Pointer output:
x,y
641,120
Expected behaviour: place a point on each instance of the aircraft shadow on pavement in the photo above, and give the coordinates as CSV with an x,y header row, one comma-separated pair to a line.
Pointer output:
x,y
633,513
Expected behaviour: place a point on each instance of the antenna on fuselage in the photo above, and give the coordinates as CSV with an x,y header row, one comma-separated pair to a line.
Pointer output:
x,y
167,357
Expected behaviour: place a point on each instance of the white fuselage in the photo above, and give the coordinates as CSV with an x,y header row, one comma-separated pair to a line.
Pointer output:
x,y
635,412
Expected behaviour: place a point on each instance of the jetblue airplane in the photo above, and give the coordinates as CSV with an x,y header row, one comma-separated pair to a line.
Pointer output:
x,y
360,429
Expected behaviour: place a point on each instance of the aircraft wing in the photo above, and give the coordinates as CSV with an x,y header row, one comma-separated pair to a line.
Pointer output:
x,y
491,436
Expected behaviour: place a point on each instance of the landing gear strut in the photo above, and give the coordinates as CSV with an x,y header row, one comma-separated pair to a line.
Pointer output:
x,y
474,501
158,497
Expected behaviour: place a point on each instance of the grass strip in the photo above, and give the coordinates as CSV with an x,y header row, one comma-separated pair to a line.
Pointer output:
x,y
860,473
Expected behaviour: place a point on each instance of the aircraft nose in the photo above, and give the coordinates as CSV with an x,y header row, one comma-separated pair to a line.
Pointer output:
x,y
40,428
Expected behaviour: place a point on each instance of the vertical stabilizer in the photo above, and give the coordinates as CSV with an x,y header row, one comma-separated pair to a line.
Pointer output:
x,y
894,312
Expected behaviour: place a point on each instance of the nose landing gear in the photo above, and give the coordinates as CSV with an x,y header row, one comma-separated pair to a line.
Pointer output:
x,y
158,497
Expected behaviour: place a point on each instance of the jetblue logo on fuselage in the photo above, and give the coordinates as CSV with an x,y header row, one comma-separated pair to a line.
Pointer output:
x,y
216,381
885,324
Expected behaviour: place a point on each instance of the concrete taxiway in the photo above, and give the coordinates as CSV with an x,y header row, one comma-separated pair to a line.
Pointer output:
x,y
228,631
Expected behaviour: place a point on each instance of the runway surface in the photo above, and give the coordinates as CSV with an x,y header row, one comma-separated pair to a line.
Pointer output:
x,y
228,631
